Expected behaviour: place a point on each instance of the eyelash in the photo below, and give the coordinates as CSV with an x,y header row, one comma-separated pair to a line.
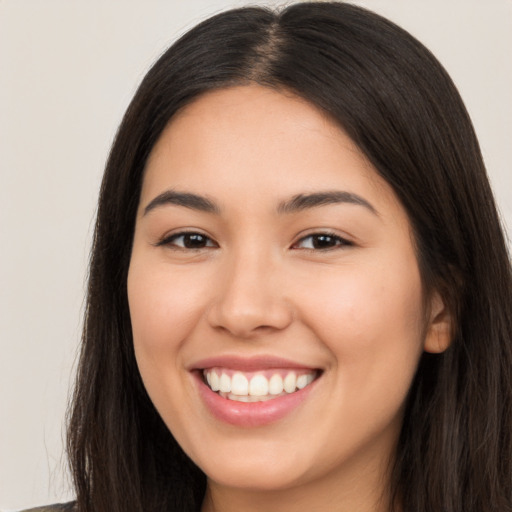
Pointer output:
x,y
170,241
338,241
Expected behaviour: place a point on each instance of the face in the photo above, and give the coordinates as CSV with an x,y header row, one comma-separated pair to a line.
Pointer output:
x,y
271,263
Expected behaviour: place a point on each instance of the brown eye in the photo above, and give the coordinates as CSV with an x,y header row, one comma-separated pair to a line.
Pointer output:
x,y
321,241
188,241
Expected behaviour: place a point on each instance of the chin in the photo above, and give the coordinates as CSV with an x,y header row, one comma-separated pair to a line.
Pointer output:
x,y
263,478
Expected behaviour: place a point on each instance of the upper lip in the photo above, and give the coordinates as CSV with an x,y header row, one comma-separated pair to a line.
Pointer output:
x,y
254,363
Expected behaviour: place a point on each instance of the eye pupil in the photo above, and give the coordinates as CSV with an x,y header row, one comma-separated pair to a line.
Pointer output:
x,y
194,241
323,241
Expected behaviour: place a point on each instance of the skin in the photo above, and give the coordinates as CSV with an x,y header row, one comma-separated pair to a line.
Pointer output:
x,y
259,285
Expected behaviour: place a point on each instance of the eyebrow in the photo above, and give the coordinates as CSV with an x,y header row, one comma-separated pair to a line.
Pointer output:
x,y
305,201
192,201
297,203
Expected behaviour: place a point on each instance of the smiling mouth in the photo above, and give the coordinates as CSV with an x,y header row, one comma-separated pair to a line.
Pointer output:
x,y
257,386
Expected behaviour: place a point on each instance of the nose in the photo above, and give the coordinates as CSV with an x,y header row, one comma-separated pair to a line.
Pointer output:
x,y
251,299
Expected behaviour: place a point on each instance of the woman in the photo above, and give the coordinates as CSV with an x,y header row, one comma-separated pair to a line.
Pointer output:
x,y
300,293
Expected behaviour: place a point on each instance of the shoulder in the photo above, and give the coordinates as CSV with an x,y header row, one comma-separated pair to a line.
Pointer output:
x,y
61,507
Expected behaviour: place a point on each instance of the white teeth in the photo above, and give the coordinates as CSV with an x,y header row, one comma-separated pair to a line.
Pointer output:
x,y
239,386
214,381
259,386
290,382
275,384
304,380
225,383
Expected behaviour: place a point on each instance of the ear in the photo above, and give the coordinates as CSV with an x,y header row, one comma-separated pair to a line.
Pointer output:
x,y
440,326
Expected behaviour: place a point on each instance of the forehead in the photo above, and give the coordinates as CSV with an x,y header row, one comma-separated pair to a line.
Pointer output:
x,y
255,141
248,117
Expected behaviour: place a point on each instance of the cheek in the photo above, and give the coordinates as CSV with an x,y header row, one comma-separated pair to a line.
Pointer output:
x,y
372,323
164,306
357,301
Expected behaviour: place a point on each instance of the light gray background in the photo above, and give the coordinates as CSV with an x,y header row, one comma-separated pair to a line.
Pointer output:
x,y
67,72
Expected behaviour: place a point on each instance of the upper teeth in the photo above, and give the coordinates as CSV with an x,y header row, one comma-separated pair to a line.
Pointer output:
x,y
257,384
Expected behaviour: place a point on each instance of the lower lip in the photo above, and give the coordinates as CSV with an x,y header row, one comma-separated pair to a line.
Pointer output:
x,y
251,414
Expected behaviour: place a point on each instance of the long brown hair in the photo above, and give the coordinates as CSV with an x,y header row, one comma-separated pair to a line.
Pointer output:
x,y
400,107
